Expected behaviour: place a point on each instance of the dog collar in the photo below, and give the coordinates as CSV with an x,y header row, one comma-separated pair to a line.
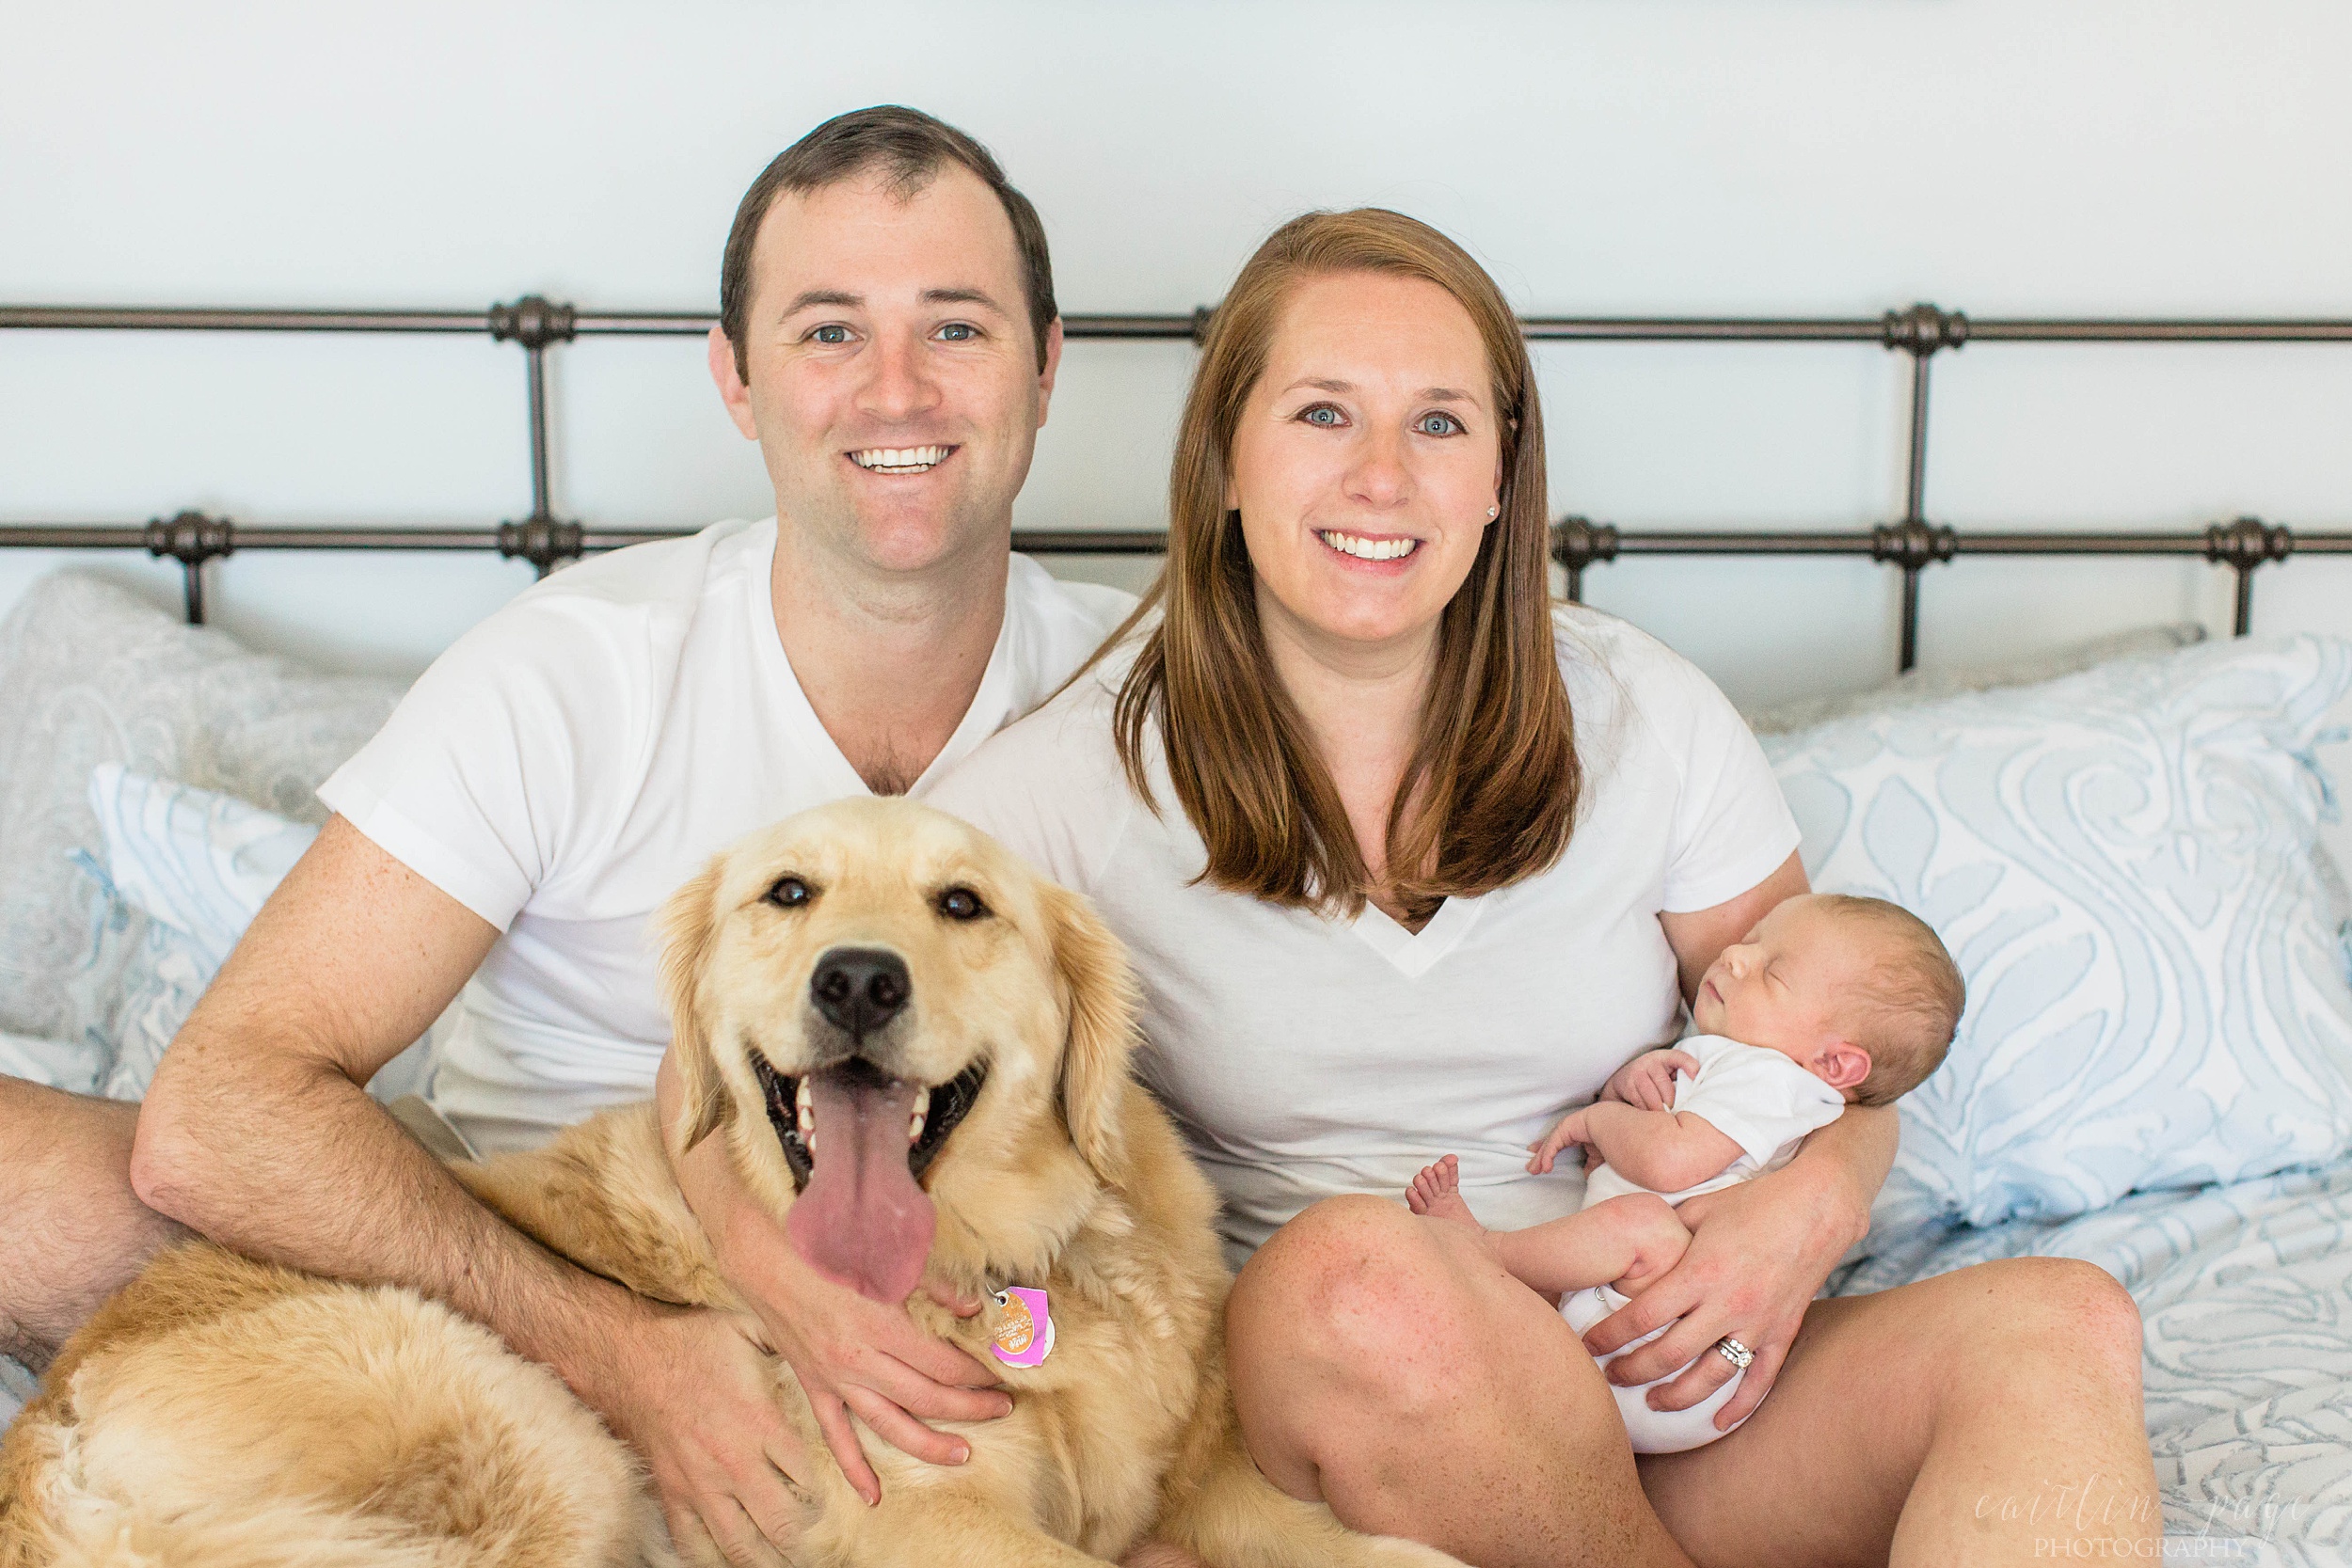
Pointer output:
x,y
1023,1335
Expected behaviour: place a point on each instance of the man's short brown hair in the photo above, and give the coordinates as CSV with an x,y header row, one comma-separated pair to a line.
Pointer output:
x,y
1909,1004
907,147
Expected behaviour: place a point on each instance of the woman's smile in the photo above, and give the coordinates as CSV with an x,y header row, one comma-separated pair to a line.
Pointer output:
x,y
1389,550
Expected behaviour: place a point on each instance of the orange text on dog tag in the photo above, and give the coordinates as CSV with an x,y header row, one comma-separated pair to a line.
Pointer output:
x,y
1025,1336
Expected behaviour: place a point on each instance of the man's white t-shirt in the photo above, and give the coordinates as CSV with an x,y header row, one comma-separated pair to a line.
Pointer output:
x,y
1761,1099
1307,1056
572,760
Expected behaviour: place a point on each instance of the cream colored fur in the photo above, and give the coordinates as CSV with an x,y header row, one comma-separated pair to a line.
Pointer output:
x,y
225,1413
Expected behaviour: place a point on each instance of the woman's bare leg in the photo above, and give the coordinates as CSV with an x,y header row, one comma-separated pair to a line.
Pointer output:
x,y
1986,1417
72,1232
1387,1365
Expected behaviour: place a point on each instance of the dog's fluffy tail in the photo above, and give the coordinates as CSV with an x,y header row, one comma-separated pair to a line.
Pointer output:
x,y
94,1533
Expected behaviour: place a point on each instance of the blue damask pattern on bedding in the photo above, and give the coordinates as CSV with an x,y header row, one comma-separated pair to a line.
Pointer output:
x,y
2246,1293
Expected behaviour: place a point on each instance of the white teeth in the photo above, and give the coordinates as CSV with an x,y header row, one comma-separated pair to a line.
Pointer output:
x,y
1368,549
804,1115
899,460
915,1123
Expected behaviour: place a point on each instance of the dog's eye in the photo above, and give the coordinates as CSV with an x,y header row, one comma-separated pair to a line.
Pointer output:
x,y
789,893
961,903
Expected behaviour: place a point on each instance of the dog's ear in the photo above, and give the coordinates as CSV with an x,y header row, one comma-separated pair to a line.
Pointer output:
x,y
1100,992
688,923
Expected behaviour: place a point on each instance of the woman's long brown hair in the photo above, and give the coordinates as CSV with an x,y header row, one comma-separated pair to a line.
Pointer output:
x,y
1489,795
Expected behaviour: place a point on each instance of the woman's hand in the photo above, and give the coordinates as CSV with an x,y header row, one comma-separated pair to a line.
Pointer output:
x,y
851,1355
1759,1251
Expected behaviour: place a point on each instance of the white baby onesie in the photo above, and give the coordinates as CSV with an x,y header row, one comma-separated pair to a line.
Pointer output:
x,y
1764,1103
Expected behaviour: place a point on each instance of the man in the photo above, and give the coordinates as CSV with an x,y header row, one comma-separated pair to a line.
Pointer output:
x,y
888,335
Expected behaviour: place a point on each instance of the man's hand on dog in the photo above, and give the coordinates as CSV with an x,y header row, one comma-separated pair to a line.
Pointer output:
x,y
850,1353
698,1401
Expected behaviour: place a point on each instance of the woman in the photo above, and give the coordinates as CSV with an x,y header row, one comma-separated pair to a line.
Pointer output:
x,y
1407,862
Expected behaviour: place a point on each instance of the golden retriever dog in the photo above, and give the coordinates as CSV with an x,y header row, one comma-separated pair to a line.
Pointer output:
x,y
916,1053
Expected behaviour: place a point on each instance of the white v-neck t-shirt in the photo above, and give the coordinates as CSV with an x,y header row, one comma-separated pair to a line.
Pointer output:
x,y
572,760
1306,1057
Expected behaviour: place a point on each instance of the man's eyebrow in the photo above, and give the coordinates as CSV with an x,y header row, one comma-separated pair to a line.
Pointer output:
x,y
963,296
823,297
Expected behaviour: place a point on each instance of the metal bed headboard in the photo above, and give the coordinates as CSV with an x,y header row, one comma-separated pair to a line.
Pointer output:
x,y
1910,545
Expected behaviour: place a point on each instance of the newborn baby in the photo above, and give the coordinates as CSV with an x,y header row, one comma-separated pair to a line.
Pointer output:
x,y
1830,999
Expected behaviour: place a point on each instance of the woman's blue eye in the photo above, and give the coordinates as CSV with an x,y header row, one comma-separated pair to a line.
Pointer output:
x,y
831,335
1321,413
1438,424
957,332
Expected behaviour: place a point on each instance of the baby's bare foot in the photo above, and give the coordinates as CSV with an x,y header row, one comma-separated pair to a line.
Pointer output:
x,y
1436,1192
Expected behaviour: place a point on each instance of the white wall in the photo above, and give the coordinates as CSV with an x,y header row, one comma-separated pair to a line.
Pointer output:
x,y
1667,156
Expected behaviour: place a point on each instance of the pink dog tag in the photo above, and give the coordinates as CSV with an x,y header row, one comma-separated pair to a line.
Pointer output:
x,y
1024,1336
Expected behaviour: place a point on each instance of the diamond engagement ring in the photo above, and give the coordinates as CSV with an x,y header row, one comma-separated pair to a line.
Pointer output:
x,y
1734,1352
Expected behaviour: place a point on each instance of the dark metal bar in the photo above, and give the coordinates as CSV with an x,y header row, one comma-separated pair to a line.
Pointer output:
x,y
537,354
1916,493
1907,654
106,318
1186,326
2087,330
645,324
1914,513
97,537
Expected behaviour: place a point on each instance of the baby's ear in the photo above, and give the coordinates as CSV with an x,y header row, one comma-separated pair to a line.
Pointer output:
x,y
1843,1066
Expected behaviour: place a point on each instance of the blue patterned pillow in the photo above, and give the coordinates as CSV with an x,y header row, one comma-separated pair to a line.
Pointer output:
x,y
186,871
199,865
2126,865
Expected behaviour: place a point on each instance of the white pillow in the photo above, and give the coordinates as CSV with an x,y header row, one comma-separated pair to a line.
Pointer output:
x,y
1914,686
200,865
92,673
2126,863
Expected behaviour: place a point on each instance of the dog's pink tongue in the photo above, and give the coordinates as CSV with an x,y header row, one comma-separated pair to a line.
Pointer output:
x,y
861,1220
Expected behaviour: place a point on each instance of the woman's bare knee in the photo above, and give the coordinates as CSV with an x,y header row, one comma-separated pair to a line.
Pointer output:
x,y
1349,1289
1387,1365
2082,1308
2046,1316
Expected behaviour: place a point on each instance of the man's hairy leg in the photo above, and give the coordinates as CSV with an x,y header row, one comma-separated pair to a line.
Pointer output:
x,y
72,1231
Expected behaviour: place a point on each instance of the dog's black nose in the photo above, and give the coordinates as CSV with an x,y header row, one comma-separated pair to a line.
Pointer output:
x,y
860,989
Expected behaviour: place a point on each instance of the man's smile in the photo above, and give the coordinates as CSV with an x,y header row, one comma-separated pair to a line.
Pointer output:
x,y
901,460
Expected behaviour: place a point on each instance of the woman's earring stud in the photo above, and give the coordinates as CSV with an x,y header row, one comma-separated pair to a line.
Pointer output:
x,y
1492,512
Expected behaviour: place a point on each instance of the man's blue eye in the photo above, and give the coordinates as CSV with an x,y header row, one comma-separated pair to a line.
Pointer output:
x,y
1322,414
957,332
831,335
1439,424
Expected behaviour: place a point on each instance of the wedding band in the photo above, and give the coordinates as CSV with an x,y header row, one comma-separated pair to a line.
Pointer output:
x,y
1734,1352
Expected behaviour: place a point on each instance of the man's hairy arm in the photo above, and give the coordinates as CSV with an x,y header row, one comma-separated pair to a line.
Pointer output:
x,y
258,1133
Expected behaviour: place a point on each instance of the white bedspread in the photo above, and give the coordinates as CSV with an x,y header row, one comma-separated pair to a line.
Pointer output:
x,y
2245,1291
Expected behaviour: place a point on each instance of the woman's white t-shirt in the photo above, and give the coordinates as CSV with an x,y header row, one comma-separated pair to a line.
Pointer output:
x,y
571,761
1307,1056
